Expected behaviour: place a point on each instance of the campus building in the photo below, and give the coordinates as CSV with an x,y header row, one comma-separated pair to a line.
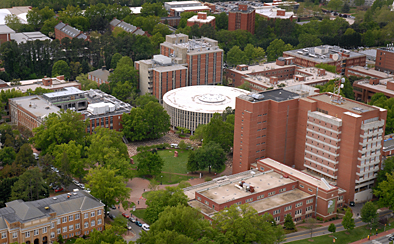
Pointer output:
x,y
326,54
385,59
241,17
269,187
100,108
100,76
5,33
42,221
201,19
273,12
127,27
337,139
63,30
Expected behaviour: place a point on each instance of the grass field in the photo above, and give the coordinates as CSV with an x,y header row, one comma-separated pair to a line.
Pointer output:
x,y
139,213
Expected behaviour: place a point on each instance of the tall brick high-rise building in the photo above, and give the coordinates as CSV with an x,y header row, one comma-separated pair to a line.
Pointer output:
x,y
385,59
339,141
241,17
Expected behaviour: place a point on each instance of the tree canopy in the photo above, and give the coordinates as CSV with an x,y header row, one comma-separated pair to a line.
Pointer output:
x,y
30,186
210,155
369,213
385,191
348,221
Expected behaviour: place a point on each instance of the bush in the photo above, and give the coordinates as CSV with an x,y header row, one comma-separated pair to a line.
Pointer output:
x,y
208,179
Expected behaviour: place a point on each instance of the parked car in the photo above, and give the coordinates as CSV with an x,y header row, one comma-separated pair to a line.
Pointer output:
x,y
391,238
128,227
113,207
138,223
87,190
145,227
132,220
35,156
111,216
82,186
59,189
125,215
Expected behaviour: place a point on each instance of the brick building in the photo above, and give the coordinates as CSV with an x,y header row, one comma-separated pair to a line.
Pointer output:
x,y
269,187
171,21
5,33
339,140
201,19
100,76
63,30
202,57
385,59
273,12
365,89
360,71
42,221
175,12
241,17
100,108
331,55
127,27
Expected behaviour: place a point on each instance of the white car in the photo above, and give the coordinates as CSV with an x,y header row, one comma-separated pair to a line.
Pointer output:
x,y
145,227
82,186
87,190
35,156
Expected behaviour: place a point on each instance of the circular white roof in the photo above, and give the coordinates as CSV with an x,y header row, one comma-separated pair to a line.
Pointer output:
x,y
203,99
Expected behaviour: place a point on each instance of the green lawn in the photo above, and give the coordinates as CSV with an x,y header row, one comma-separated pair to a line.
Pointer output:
x,y
139,213
342,237
169,179
70,241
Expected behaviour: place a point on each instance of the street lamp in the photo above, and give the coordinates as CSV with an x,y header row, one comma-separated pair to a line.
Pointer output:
x,y
161,182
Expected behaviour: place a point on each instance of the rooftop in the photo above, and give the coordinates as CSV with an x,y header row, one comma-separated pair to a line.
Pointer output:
x,y
321,54
67,91
135,10
202,207
279,199
388,144
36,105
261,67
100,73
182,2
381,87
352,106
389,48
29,36
363,71
261,181
33,84
272,13
203,99
4,29
278,95
196,19
192,8
236,9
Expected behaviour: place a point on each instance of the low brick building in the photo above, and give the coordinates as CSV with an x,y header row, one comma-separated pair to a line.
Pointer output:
x,y
201,19
63,30
100,76
42,221
5,33
127,27
385,59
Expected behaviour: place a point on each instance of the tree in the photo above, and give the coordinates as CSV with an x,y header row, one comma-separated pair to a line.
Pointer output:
x,y
75,70
153,9
276,49
289,223
76,164
60,239
157,201
369,214
220,132
25,156
348,221
335,4
7,155
108,186
13,22
5,189
388,167
30,186
143,100
115,59
385,191
61,68
345,8
359,2
245,86
86,84
332,228
178,224
199,132
311,224
211,155
308,40
241,219
59,128
235,56
149,163
221,21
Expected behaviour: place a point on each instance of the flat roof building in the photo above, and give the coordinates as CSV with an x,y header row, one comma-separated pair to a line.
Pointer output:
x,y
201,19
326,54
269,187
24,37
241,17
273,12
385,59
319,134
181,4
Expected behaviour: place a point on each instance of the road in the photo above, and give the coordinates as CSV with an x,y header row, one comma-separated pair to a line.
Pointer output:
x,y
134,228
324,230
380,240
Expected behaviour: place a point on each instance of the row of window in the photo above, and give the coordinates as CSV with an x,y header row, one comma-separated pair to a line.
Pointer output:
x,y
77,226
77,216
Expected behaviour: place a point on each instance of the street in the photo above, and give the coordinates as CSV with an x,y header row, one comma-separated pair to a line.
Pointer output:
x,y
381,240
134,228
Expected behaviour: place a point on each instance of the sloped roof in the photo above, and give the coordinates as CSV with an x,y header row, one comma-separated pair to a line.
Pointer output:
x,y
25,210
60,26
114,22
139,32
100,73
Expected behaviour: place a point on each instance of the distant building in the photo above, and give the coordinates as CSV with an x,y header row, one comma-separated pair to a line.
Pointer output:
x,y
135,10
385,59
181,4
171,21
42,221
102,109
24,37
20,12
275,13
5,33
365,89
241,17
201,19
63,30
127,27
178,11
326,54
361,71
269,187
100,76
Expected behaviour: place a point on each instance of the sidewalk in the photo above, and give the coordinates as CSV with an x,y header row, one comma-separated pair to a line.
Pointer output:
x,y
374,237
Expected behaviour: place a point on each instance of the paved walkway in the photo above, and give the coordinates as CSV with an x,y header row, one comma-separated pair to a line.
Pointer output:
x,y
379,237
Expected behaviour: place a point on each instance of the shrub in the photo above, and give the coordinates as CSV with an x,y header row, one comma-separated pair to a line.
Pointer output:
x,y
208,179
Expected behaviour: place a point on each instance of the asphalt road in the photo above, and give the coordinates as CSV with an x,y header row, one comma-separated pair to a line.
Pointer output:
x,y
381,240
134,228
324,230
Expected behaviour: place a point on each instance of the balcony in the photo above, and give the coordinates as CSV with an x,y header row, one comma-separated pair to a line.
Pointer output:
x,y
366,178
362,165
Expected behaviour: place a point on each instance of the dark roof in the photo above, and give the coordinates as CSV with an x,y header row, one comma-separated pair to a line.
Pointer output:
x,y
278,95
248,10
388,144
20,211
115,22
71,31
60,26
99,73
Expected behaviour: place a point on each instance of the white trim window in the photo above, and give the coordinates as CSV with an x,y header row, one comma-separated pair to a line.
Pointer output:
x,y
52,234
99,221
70,218
92,214
77,226
58,221
64,219
36,232
15,235
86,215
71,227
44,230
59,231
3,235
77,216
99,212
93,223
64,229
52,225
27,234
86,225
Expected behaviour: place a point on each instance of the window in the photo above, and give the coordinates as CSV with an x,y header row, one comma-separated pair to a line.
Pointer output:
x,y
64,219
15,235
59,231
92,214
309,189
261,168
287,208
52,225
340,198
298,211
199,199
99,212
77,226
282,190
4,235
70,218
99,221
260,197
207,203
309,201
93,223
249,200
271,193
71,228
64,229
52,234
277,219
302,185
298,204
35,232
76,216
309,208
277,211
86,215
27,234
44,230
58,221
86,225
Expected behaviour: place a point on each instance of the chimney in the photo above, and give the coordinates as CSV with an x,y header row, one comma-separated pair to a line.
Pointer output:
x,y
46,81
243,7
60,77
104,68
202,15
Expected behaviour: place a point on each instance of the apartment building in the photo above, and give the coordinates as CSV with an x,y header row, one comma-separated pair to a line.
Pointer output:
x,y
202,57
42,221
385,59
269,187
242,17
63,30
100,108
333,138
326,54
201,19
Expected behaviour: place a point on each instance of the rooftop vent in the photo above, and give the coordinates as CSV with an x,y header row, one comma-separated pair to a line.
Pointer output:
x,y
46,208
55,198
